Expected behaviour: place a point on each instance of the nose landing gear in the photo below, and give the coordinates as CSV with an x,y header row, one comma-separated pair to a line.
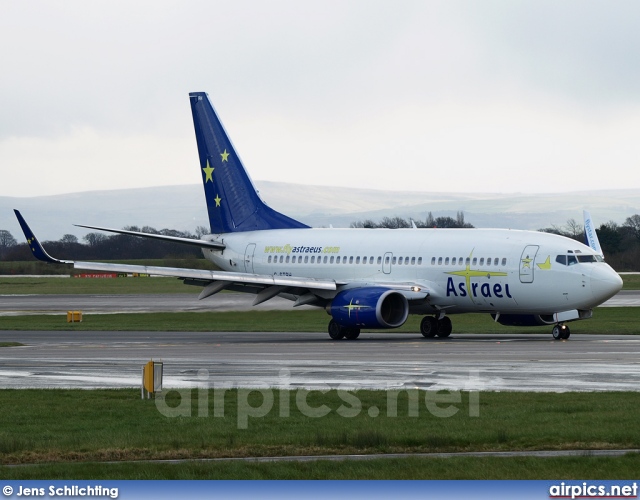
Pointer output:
x,y
561,332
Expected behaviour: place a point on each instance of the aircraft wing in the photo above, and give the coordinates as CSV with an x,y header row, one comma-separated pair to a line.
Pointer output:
x,y
214,281
264,286
175,239
206,275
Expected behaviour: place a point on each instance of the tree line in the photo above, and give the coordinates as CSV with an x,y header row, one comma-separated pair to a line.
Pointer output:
x,y
100,246
399,222
620,242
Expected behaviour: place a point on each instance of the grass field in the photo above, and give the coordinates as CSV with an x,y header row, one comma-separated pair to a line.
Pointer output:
x,y
630,281
36,267
66,427
606,320
102,286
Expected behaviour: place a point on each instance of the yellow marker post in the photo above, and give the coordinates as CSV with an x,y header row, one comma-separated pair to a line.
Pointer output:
x,y
148,377
151,378
74,316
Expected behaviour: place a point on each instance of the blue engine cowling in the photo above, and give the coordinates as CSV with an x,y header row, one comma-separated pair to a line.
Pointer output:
x,y
369,307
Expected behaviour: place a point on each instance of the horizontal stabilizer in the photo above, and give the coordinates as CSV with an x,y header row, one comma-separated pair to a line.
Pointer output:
x,y
175,239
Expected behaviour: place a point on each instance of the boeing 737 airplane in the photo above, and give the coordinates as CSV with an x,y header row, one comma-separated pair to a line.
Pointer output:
x,y
374,278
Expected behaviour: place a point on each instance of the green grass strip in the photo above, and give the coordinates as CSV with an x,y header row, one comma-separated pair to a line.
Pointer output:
x,y
36,267
630,281
606,320
79,426
94,286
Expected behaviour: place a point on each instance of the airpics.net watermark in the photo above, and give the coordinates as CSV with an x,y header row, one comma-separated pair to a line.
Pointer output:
x,y
410,401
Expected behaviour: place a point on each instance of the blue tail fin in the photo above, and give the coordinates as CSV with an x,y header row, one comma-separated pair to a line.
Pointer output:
x,y
232,201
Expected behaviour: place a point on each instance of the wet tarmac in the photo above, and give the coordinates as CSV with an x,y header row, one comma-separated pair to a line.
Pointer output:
x,y
530,362
506,362
14,305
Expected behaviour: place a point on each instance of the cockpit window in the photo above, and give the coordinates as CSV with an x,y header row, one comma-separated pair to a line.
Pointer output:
x,y
569,260
586,258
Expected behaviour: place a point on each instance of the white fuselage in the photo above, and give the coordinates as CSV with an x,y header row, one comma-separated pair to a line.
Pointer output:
x,y
466,270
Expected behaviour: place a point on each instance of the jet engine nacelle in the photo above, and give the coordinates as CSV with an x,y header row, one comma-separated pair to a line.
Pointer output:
x,y
369,307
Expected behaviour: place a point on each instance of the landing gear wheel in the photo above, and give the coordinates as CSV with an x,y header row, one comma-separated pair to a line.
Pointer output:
x,y
336,332
444,327
561,332
351,333
428,327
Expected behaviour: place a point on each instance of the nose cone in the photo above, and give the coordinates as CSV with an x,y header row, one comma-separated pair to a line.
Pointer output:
x,y
605,282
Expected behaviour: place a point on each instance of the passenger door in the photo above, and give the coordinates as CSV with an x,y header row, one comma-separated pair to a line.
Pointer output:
x,y
527,262
248,258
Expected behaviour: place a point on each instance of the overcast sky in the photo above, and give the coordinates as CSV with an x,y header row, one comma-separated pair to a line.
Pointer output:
x,y
491,96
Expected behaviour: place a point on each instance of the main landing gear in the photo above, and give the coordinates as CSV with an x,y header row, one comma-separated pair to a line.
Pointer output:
x,y
561,332
430,327
337,332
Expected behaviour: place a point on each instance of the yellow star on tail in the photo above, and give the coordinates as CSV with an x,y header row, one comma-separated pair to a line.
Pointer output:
x,y
208,170
217,199
225,155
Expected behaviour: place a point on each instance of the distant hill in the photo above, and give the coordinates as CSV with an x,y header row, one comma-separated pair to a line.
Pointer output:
x,y
183,207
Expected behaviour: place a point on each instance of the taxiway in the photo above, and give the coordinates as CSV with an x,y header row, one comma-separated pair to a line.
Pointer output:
x,y
529,362
506,362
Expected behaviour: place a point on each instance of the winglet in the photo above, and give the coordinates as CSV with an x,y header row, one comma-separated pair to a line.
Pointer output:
x,y
36,248
590,233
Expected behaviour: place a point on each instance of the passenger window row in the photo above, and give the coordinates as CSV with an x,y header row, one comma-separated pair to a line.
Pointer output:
x,y
312,259
475,261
